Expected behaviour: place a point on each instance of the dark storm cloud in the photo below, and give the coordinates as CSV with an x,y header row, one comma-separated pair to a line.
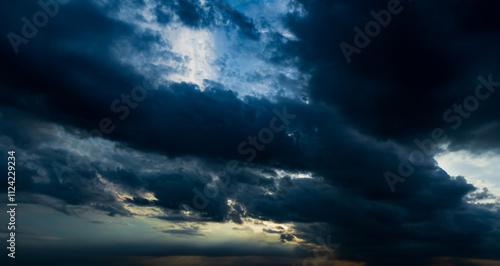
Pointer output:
x,y
423,62
363,115
71,94
45,171
375,230
398,88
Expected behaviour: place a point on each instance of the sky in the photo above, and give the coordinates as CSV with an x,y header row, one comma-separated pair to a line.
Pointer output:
x,y
251,132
